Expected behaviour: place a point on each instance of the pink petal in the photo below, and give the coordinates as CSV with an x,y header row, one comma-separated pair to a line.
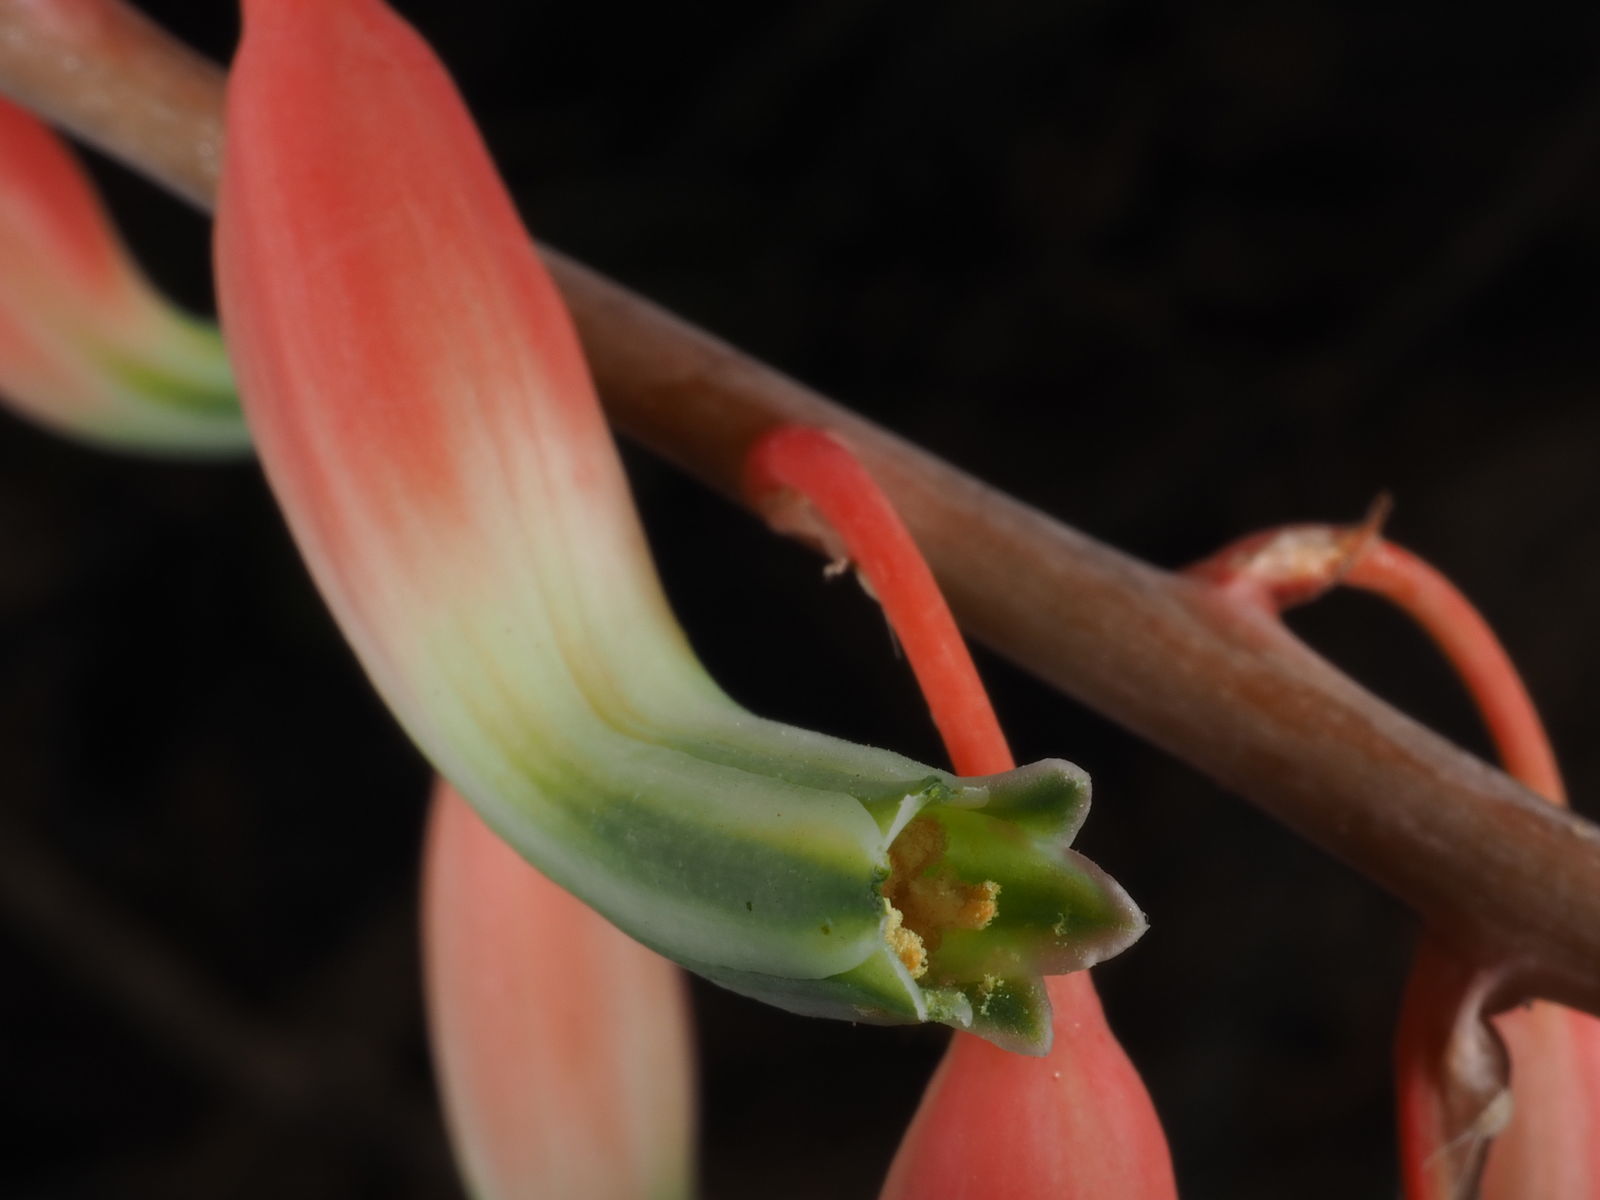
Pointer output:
x,y
562,1045
1074,1125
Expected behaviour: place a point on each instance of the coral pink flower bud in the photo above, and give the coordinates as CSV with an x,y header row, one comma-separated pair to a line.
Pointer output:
x,y
1074,1125
562,1045
87,346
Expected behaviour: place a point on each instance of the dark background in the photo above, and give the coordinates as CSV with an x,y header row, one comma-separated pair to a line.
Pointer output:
x,y
1173,272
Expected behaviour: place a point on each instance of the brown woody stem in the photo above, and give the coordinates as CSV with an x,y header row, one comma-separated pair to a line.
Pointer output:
x,y
1503,876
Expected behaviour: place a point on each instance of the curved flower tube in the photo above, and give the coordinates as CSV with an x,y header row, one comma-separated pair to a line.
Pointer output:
x,y
87,346
422,409
562,1046
1075,1125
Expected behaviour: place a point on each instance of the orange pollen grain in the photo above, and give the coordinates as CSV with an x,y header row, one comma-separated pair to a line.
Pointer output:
x,y
926,900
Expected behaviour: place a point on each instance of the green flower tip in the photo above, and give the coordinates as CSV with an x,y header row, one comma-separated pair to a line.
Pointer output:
x,y
174,394
979,897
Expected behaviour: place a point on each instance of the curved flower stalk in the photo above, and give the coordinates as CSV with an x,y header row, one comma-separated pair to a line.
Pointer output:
x,y
426,421
562,1045
87,346
809,485
1451,1063
1077,1123
1545,1145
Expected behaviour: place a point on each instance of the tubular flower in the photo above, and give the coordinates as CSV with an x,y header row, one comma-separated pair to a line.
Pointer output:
x,y
562,1045
87,346
1075,1125
423,412
991,1125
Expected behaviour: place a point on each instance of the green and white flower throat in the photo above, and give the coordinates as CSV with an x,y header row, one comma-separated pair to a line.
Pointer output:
x,y
824,877
426,420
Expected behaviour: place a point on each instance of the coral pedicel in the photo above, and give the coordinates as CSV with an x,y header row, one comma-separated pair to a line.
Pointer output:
x,y
1078,1123
1450,1071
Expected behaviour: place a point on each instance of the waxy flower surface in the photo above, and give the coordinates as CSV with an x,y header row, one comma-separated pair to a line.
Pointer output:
x,y
561,1045
1075,1125
1549,1147
423,412
87,347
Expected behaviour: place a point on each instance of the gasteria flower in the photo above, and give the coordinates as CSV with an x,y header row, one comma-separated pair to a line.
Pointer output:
x,y
1077,1123
1074,1125
87,346
562,1045
423,412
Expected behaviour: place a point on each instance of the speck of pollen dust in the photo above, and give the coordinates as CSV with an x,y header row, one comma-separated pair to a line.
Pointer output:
x,y
926,898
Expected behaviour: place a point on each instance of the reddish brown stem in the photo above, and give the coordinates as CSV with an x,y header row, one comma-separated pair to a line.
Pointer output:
x,y
1280,568
1450,1068
1501,874
104,71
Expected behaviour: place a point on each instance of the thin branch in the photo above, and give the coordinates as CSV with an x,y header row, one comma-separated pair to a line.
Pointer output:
x,y
1497,872
105,71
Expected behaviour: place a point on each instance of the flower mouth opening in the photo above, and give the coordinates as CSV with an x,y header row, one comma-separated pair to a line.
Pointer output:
x,y
927,899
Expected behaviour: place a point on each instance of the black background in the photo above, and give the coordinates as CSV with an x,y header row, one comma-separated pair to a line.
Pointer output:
x,y
1171,271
